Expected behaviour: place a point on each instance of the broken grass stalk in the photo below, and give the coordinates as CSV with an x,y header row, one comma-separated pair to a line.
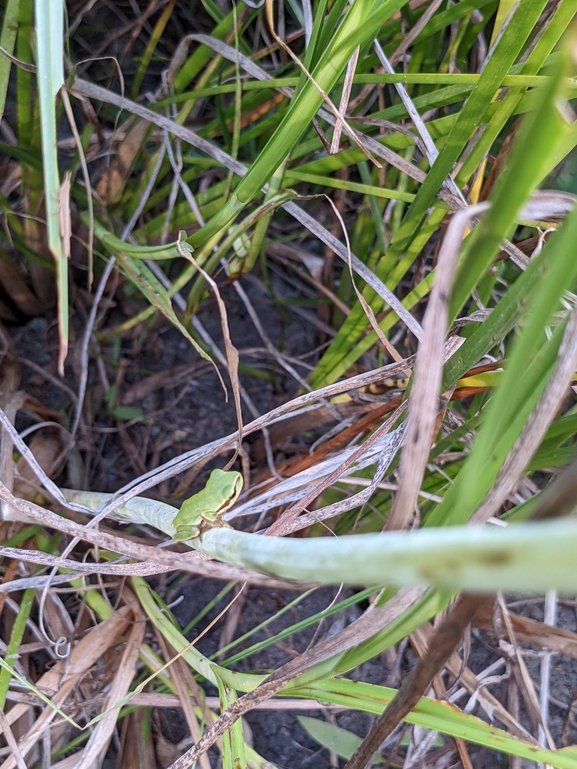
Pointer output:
x,y
532,556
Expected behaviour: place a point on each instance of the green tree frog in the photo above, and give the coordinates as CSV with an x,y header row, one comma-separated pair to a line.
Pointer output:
x,y
204,510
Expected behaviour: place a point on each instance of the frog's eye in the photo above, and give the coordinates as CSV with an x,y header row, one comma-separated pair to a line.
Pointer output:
x,y
238,484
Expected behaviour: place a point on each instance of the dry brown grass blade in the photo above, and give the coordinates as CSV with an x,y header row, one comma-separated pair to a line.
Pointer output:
x,y
468,680
138,25
46,449
97,745
532,631
367,309
9,367
428,373
65,220
415,685
463,753
367,416
64,677
342,122
345,96
414,32
10,434
112,182
10,570
290,516
358,266
192,562
17,289
361,497
525,682
54,617
537,424
11,401
232,356
86,176
81,567
11,740
137,748
181,675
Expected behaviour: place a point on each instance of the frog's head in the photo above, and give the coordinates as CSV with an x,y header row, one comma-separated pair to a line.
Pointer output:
x,y
224,486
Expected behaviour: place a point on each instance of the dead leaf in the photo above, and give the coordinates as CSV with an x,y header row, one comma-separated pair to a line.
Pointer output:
x,y
113,180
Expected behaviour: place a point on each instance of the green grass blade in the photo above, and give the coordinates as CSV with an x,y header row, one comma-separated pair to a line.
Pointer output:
x,y
303,107
49,46
440,717
518,387
210,670
506,106
504,55
142,277
542,132
11,654
7,42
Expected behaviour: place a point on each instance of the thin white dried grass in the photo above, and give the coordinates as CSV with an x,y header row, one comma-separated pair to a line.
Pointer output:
x,y
95,749
61,680
545,682
175,561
